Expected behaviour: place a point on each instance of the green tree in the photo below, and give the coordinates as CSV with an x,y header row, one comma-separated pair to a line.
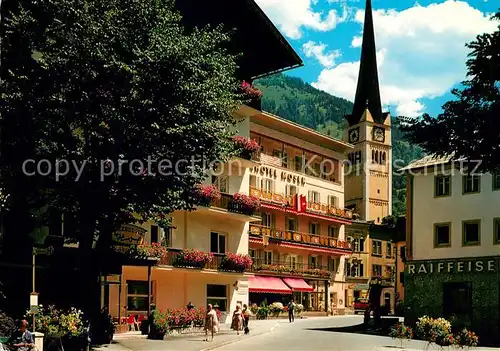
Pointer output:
x,y
104,82
469,125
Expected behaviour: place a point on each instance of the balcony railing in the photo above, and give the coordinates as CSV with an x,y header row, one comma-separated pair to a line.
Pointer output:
x,y
217,262
291,268
226,202
277,198
300,238
328,210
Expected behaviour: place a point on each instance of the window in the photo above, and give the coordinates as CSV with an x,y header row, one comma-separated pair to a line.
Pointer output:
x,y
292,261
217,295
471,232
388,247
267,185
360,270
331,264
154,234
298,163
377,270
354,270
314,228
333,201
333,232
217,242
457,301
348,269
442,234
313,196
496,180
268,257
277,153
496,231
221,182
137,295
290,190
251,253
471,184
376,248
442,186
167,239
284,160
266,219
361,244
314,261
291,224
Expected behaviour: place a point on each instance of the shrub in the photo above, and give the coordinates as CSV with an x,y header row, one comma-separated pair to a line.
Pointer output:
x,y
192,258
236,262
401,331
435,330
7,325
465,339
207,194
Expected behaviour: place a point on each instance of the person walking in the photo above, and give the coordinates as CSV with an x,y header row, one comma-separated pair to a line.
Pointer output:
x,y
237,322
246,318
291,312
211,322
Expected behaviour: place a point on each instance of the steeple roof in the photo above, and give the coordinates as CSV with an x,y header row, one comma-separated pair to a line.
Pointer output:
x,y
368,90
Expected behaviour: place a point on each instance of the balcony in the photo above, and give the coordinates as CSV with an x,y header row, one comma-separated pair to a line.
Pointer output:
x,y
216,262
227,204
286,201
298,238
291,269
328,210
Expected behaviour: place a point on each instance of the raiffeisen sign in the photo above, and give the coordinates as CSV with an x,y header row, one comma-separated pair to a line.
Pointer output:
x,y
466,265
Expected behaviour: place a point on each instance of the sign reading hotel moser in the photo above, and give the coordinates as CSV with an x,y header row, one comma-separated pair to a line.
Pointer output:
x,y
467,265
270,172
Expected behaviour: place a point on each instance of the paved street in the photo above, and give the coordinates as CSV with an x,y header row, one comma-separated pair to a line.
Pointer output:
x,y
275,335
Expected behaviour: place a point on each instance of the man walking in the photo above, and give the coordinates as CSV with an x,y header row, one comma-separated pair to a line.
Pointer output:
x,y
291,314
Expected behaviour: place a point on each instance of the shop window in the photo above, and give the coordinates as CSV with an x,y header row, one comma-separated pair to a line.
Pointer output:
x,y
442,185
471,232
457,300
217,296
217,242
137,295
442,234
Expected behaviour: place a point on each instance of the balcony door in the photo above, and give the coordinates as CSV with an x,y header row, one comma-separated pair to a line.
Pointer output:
x,y
292,261
291,224
221,182
217,243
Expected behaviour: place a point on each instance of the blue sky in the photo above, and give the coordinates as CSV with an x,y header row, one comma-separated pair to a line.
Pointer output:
x,y
421,52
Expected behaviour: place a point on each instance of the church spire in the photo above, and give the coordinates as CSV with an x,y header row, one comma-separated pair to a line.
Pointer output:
x,y
367,91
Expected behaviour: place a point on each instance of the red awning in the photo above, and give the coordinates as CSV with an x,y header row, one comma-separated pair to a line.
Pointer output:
x,y
297,284
267,285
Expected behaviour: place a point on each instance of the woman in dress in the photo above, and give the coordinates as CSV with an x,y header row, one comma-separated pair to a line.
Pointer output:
x,y
237,323
211,322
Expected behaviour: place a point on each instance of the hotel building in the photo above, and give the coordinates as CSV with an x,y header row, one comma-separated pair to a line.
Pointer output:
x,y
368,178
299,245
453,245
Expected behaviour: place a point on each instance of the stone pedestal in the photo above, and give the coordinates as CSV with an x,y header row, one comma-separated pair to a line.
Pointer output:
x,y
38,341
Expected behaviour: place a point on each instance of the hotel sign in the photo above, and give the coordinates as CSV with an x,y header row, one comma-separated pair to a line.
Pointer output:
x,y
127,236
288,177
469,265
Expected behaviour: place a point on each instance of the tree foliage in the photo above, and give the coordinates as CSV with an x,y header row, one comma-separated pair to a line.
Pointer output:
x,y
469,125
102,83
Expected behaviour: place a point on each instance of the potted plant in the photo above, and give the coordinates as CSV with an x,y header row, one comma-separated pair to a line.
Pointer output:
x,y
192,258
298,309
251,93
465,339
401,333
245,204
207,194
236,262
276,308
160,325
246,147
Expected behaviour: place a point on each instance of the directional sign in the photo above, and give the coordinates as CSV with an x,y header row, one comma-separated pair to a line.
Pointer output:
x,y
43,250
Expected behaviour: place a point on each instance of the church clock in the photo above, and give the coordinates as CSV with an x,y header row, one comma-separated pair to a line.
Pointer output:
x,y
354,135
379,134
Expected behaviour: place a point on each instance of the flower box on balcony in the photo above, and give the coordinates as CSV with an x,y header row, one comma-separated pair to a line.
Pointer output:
x,y
245,147
236,263
252,94
207,194
192,259
245,204
153,251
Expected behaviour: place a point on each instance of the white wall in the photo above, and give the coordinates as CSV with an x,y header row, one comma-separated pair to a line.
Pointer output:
x,y
428,210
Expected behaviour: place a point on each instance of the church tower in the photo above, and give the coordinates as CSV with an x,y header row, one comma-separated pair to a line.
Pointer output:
x,y
368,179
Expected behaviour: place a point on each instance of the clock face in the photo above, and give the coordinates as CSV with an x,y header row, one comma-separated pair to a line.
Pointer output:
x,y
354,135
379,134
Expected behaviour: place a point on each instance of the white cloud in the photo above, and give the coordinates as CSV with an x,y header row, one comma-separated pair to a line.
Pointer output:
x,y
291,16
423,51
326,59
